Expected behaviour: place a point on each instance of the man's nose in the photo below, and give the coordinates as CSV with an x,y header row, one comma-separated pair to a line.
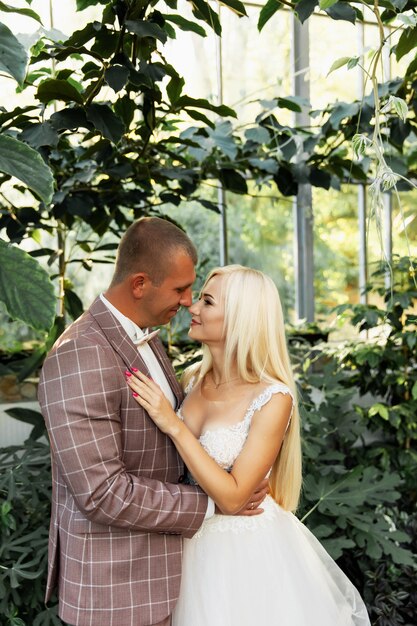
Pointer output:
x,y
186,298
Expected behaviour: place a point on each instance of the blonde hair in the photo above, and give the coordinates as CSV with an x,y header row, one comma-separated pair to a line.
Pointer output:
x,y
255,342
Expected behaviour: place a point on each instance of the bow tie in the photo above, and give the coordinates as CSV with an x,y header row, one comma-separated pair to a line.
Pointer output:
x,y
147,336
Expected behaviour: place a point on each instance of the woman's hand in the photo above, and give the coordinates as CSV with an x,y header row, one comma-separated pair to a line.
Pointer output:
x,y
150,396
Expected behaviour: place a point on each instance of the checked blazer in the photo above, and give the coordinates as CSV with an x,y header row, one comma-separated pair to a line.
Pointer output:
x,y
118,512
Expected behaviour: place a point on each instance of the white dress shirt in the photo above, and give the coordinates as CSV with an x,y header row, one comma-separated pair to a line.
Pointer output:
x,y
155,370
144,350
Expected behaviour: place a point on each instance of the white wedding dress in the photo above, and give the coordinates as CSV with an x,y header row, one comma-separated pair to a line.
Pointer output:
x,y
265,570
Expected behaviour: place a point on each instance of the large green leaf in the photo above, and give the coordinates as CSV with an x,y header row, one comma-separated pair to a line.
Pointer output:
x,y
13,56
342,11
305,8
25,288
34,418
407,42
6,8
185,25
204,11
267,11
200,103
84,4
106,121
20,160
42,134
58,89
235,5
145,28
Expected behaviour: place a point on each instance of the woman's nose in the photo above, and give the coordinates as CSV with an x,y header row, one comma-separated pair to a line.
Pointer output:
x,y
193,308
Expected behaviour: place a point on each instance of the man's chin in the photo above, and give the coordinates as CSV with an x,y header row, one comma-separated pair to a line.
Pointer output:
x,y
168,317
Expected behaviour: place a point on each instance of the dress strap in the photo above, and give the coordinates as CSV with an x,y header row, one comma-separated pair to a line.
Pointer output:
x,y
190,385
265,396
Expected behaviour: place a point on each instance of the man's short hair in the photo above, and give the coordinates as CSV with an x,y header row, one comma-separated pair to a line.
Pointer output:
x,y
148,246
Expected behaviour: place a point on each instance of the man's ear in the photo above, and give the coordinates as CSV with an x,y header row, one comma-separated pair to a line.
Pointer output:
x,y
139,284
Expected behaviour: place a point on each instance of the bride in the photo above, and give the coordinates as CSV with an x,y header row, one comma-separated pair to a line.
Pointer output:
x,y
239,423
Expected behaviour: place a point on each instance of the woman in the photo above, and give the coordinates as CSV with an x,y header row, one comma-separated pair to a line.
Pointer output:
x,y
239,422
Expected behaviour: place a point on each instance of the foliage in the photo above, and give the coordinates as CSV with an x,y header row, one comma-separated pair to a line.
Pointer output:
x,y
25,492
360,449
114,128
34,300
113,133
359,494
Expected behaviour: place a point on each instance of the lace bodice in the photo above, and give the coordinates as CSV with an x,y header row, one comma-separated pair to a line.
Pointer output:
x,y
225,443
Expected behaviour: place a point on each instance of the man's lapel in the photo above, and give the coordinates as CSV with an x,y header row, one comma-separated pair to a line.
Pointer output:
x,y
168,370
124,346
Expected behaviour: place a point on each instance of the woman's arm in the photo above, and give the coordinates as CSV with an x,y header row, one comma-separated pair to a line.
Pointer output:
x,y
230,491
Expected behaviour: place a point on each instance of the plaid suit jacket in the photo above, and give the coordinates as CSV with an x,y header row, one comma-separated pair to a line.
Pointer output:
x,y
118,514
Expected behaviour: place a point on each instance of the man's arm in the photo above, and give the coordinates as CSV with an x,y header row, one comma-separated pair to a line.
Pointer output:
x,y
81,391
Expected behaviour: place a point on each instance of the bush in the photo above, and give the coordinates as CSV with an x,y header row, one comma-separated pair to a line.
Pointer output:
x,y
25,497
360,463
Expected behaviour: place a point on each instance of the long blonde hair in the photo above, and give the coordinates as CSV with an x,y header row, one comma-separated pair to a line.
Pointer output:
x,y
255,341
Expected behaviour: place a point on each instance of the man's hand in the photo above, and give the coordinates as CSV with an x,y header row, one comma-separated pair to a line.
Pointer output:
x,y
258,496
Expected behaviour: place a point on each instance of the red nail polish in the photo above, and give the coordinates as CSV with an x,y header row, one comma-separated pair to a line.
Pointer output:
x,y
134,394
134,369
127,373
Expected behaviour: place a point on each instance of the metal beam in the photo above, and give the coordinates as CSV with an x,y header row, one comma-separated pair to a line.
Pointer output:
x,y
303,204
221,192
362,191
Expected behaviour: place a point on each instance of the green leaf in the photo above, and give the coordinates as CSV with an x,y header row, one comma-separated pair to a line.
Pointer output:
x,y
116,77
174,88
267,11
342,11
56,89
84,4
305,8
379,409
38,135
28,12
105,121
13,56
258,134
199,103
235,5
29,417
233,181
410,21
70,118
406,42
19,160
292,103
30,296
185,25
200,117
145,28
338,63
326,4
204,11
414,391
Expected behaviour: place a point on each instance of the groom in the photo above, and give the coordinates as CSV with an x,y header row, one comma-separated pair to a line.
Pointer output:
x,y
118,512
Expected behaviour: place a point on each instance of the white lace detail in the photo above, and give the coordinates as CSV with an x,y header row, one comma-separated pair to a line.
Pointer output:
x,y
239,523
225,443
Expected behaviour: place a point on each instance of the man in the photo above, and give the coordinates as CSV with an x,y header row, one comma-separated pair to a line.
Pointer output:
x,y
118,512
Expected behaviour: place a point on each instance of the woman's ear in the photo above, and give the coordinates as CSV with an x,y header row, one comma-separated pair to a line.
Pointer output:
x,y
139,283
